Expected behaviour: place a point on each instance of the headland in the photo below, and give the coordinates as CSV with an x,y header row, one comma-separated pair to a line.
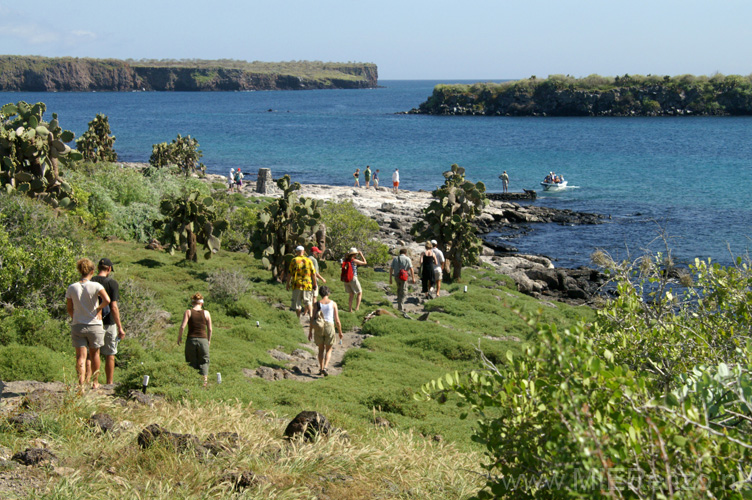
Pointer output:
x,y
73,74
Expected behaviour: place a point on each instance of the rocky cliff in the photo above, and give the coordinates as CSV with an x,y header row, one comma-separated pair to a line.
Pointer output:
x,y
38,74
557,98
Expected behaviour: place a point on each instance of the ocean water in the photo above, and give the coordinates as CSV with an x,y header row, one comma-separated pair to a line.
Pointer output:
x,y
683,182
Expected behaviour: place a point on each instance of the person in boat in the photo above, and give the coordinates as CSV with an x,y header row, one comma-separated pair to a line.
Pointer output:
x,y
549,178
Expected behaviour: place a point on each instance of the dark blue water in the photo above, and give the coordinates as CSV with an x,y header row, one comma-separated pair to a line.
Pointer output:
x,y
688,178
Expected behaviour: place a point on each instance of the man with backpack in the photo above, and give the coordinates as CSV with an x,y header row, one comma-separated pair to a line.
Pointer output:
x,y
399,268
349,276
113,328
302,278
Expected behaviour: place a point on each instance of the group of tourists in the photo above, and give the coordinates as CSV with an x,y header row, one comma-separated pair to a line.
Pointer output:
x,y
235,180
96,328
431,266
368,176
303,277
553,178
92,304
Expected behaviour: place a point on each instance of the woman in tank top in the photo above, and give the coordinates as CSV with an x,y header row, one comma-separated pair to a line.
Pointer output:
x,y
326,310
199,336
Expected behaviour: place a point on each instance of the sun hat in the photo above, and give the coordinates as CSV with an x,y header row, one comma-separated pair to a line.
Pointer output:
x,y
433,242
299,249
316,250
352,251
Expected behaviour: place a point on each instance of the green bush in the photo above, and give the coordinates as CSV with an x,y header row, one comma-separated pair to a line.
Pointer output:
x,y
347,227
651,400
19,362
35,271
35,327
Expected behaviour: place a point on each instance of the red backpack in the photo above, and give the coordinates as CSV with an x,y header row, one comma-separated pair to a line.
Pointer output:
x,y
347,271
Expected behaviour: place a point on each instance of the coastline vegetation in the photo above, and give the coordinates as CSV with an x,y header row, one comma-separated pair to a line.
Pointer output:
x,y
596,95
529,399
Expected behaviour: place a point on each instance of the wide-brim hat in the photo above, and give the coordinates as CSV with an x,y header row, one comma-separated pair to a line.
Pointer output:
x,y
352,251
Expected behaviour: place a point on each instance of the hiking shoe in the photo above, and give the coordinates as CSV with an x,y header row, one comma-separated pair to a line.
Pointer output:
x,y
326,373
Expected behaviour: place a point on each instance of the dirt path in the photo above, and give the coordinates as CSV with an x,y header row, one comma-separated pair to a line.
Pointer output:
x,y
302,363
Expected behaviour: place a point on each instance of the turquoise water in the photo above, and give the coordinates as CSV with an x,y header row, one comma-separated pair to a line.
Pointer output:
x,y
689,177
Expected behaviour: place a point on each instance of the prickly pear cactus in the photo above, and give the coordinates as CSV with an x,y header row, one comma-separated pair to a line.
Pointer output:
x,y
31,152
182,152
286,223
190,219
449,219
96,144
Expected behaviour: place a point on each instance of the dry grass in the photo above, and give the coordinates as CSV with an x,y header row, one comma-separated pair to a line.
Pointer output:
x,y
382,464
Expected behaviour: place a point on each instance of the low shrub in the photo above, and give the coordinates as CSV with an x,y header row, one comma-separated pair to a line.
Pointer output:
x,y
140,313
227,286
35,327
19,362
346,227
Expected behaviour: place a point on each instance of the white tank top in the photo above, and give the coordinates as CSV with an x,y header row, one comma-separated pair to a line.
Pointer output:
x,y
327,310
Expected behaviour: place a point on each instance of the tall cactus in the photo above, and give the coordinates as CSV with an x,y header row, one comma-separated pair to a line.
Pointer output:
x,y
448,219
31,151
96,144
190,219
182,151
286,223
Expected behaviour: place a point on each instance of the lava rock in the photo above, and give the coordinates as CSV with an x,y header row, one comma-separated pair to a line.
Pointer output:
x,y
308,424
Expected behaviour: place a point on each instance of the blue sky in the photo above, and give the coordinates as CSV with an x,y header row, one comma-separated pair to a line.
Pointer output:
x,y
407,39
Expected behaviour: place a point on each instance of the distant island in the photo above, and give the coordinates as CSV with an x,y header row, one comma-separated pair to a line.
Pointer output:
x,y
73,74
560,95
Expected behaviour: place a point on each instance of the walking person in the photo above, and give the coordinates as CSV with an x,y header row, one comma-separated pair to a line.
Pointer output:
x,y
504,181
231,180
113,328
350,276
84,302
302,279
199,337
395,181
438,271
316,254
367,176
376,180
427,265
399,268
321,329
356,175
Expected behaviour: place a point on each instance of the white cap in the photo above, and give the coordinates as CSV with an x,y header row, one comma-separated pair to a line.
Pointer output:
x,y
353,250
433,242
299,249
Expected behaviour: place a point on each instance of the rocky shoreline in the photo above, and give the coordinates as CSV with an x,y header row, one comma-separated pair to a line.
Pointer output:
x,y
534,275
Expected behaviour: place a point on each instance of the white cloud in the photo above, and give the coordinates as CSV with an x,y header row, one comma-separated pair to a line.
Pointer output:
x,y
84,35
30,33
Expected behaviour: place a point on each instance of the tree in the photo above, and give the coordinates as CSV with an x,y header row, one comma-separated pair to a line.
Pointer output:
x,y
286,223
449,219
188,220
182,151
96,144
31,151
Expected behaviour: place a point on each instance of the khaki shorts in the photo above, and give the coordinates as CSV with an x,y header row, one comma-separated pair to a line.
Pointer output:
x,y
91,336
325,336
437,274
110,340
301,298
353,286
